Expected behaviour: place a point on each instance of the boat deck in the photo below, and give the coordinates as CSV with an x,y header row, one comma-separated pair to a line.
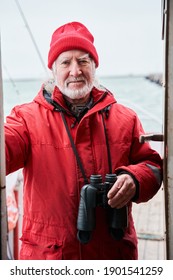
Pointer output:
x,y
149,221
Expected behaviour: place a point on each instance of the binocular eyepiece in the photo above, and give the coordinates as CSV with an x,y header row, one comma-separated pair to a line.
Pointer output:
x,y
93,195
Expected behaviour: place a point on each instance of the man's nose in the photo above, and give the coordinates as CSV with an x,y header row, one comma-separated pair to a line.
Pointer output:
x,y
75,69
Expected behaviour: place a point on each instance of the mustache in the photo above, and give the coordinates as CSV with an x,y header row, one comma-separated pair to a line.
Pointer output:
x,y
73,79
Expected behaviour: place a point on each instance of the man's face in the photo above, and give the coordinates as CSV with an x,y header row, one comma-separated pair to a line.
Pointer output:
x,y
74,73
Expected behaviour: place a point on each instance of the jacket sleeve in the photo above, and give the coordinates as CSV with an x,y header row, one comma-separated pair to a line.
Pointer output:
x,y
145,165
16,141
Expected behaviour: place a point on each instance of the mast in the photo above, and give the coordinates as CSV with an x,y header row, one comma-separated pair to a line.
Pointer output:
x,y
168,123
3,216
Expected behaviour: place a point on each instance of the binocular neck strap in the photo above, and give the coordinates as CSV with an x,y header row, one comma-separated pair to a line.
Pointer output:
x,y
74,148
76,152
106,138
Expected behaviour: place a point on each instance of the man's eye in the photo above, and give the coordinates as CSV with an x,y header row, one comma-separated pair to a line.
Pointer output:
x,y
65,62
83,61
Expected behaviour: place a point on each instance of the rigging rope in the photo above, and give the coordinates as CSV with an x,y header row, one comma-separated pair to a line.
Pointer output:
x,y
32,37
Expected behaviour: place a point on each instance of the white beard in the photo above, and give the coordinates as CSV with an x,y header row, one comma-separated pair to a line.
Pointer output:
x,y
76,93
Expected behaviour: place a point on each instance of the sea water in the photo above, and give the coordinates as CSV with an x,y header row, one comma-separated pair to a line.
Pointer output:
x,y
137,93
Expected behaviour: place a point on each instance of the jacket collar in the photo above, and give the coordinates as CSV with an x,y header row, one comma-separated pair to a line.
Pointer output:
x,y
101,97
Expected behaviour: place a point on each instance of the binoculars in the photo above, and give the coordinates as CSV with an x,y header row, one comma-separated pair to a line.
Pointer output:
x,y
93,195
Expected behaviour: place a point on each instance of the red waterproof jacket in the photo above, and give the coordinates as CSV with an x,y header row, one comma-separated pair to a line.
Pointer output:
x,y
36,139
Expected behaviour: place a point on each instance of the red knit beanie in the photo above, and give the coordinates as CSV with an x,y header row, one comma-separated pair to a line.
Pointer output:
x,y
73,35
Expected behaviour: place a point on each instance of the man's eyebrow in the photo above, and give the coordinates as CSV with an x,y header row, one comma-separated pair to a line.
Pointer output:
x,y
84,56
62,59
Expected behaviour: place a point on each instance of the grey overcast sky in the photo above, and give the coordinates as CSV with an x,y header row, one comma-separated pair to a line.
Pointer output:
x,y
127,34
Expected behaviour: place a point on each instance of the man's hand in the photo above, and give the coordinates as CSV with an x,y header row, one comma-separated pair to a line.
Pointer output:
x,y
122,191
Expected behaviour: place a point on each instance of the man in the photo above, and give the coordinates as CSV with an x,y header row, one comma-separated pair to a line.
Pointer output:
x,y
70,131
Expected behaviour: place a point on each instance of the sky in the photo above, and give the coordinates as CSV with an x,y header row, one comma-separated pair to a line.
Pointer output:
x,y
127,34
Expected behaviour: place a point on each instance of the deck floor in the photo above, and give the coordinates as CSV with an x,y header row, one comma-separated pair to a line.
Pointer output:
x,y
149,221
